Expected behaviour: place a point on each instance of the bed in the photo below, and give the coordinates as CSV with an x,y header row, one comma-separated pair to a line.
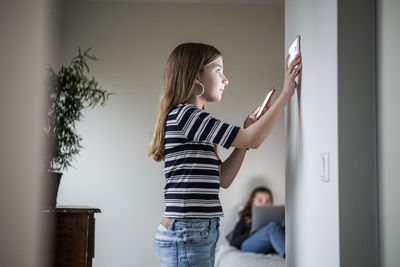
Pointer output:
x,y
229,256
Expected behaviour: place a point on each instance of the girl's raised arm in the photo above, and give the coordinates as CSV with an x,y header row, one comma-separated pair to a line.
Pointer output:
x,y
255,134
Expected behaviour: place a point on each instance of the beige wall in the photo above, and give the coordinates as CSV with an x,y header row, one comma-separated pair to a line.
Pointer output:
x,y
24,56
133,42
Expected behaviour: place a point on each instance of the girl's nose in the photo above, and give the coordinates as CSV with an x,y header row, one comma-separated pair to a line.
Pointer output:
x,y
225,82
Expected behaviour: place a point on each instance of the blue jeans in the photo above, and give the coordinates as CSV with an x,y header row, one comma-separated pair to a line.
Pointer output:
x,y
268,239
187,242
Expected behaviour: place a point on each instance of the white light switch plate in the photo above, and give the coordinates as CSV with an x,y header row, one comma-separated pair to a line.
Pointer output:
x,y
324,167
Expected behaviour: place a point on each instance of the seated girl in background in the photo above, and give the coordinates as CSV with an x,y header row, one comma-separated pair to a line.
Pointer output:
x,y
268,239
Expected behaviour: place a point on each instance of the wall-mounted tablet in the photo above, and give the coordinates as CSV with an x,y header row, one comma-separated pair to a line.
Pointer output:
x,y
294,49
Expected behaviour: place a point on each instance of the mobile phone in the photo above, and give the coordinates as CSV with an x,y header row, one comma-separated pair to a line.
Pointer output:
x,y
266,100
294,50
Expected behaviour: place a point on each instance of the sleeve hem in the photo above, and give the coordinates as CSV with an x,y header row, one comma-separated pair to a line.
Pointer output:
x,y
231,137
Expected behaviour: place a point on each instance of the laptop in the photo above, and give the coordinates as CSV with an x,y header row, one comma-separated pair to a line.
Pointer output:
x,y
261,216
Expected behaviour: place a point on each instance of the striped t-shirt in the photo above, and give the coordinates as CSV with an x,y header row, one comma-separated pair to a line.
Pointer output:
x,y
191,164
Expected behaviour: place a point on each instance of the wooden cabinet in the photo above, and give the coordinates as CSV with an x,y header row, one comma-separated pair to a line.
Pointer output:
x,y
73,244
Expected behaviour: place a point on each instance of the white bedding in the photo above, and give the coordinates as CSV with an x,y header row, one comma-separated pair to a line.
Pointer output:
x,y
228,256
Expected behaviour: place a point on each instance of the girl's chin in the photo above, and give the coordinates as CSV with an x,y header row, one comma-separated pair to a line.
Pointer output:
x,y
217,99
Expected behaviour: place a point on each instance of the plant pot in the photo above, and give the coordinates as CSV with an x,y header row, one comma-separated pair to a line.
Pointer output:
x,y
52,189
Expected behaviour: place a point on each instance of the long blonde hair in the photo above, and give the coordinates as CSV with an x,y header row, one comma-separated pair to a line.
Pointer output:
x,y
183,66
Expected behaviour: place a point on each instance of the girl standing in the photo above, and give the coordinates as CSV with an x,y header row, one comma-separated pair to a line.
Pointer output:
x,y
186,136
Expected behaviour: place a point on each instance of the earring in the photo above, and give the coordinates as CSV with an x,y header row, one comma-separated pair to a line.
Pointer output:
x,y
202,91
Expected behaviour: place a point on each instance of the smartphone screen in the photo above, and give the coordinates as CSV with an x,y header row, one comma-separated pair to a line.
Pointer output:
x,y
266,100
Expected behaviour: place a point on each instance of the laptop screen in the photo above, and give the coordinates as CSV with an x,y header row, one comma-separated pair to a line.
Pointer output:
x,y
263,215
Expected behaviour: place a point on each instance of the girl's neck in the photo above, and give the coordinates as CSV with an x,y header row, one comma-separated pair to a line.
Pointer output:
x,y
197,101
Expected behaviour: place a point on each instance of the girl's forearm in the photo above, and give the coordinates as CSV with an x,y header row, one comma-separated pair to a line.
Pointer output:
x,y
230,167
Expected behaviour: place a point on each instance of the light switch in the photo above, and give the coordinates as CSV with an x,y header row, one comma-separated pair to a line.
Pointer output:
x,y
324,169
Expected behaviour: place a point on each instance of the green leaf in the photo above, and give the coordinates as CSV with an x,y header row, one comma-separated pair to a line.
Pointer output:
x,y
69,92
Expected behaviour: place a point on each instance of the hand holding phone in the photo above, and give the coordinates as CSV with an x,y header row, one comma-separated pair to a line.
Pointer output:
x,y
267,100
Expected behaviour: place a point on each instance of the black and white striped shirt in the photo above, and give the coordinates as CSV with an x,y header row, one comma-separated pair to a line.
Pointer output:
x,y
191,164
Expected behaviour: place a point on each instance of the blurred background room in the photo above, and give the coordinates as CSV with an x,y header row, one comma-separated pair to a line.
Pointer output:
x,y
132,41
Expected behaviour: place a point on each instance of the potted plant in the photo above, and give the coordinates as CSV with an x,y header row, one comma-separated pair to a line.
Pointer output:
x,y
69,91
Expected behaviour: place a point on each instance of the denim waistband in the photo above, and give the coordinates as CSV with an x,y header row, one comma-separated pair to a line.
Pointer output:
x,y
177,223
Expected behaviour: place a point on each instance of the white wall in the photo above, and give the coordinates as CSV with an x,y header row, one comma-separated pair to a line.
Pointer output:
x,y
312,128
388,39
335,112
133,41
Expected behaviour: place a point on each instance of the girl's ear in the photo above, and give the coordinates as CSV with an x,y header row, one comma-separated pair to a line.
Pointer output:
x,y
197,80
